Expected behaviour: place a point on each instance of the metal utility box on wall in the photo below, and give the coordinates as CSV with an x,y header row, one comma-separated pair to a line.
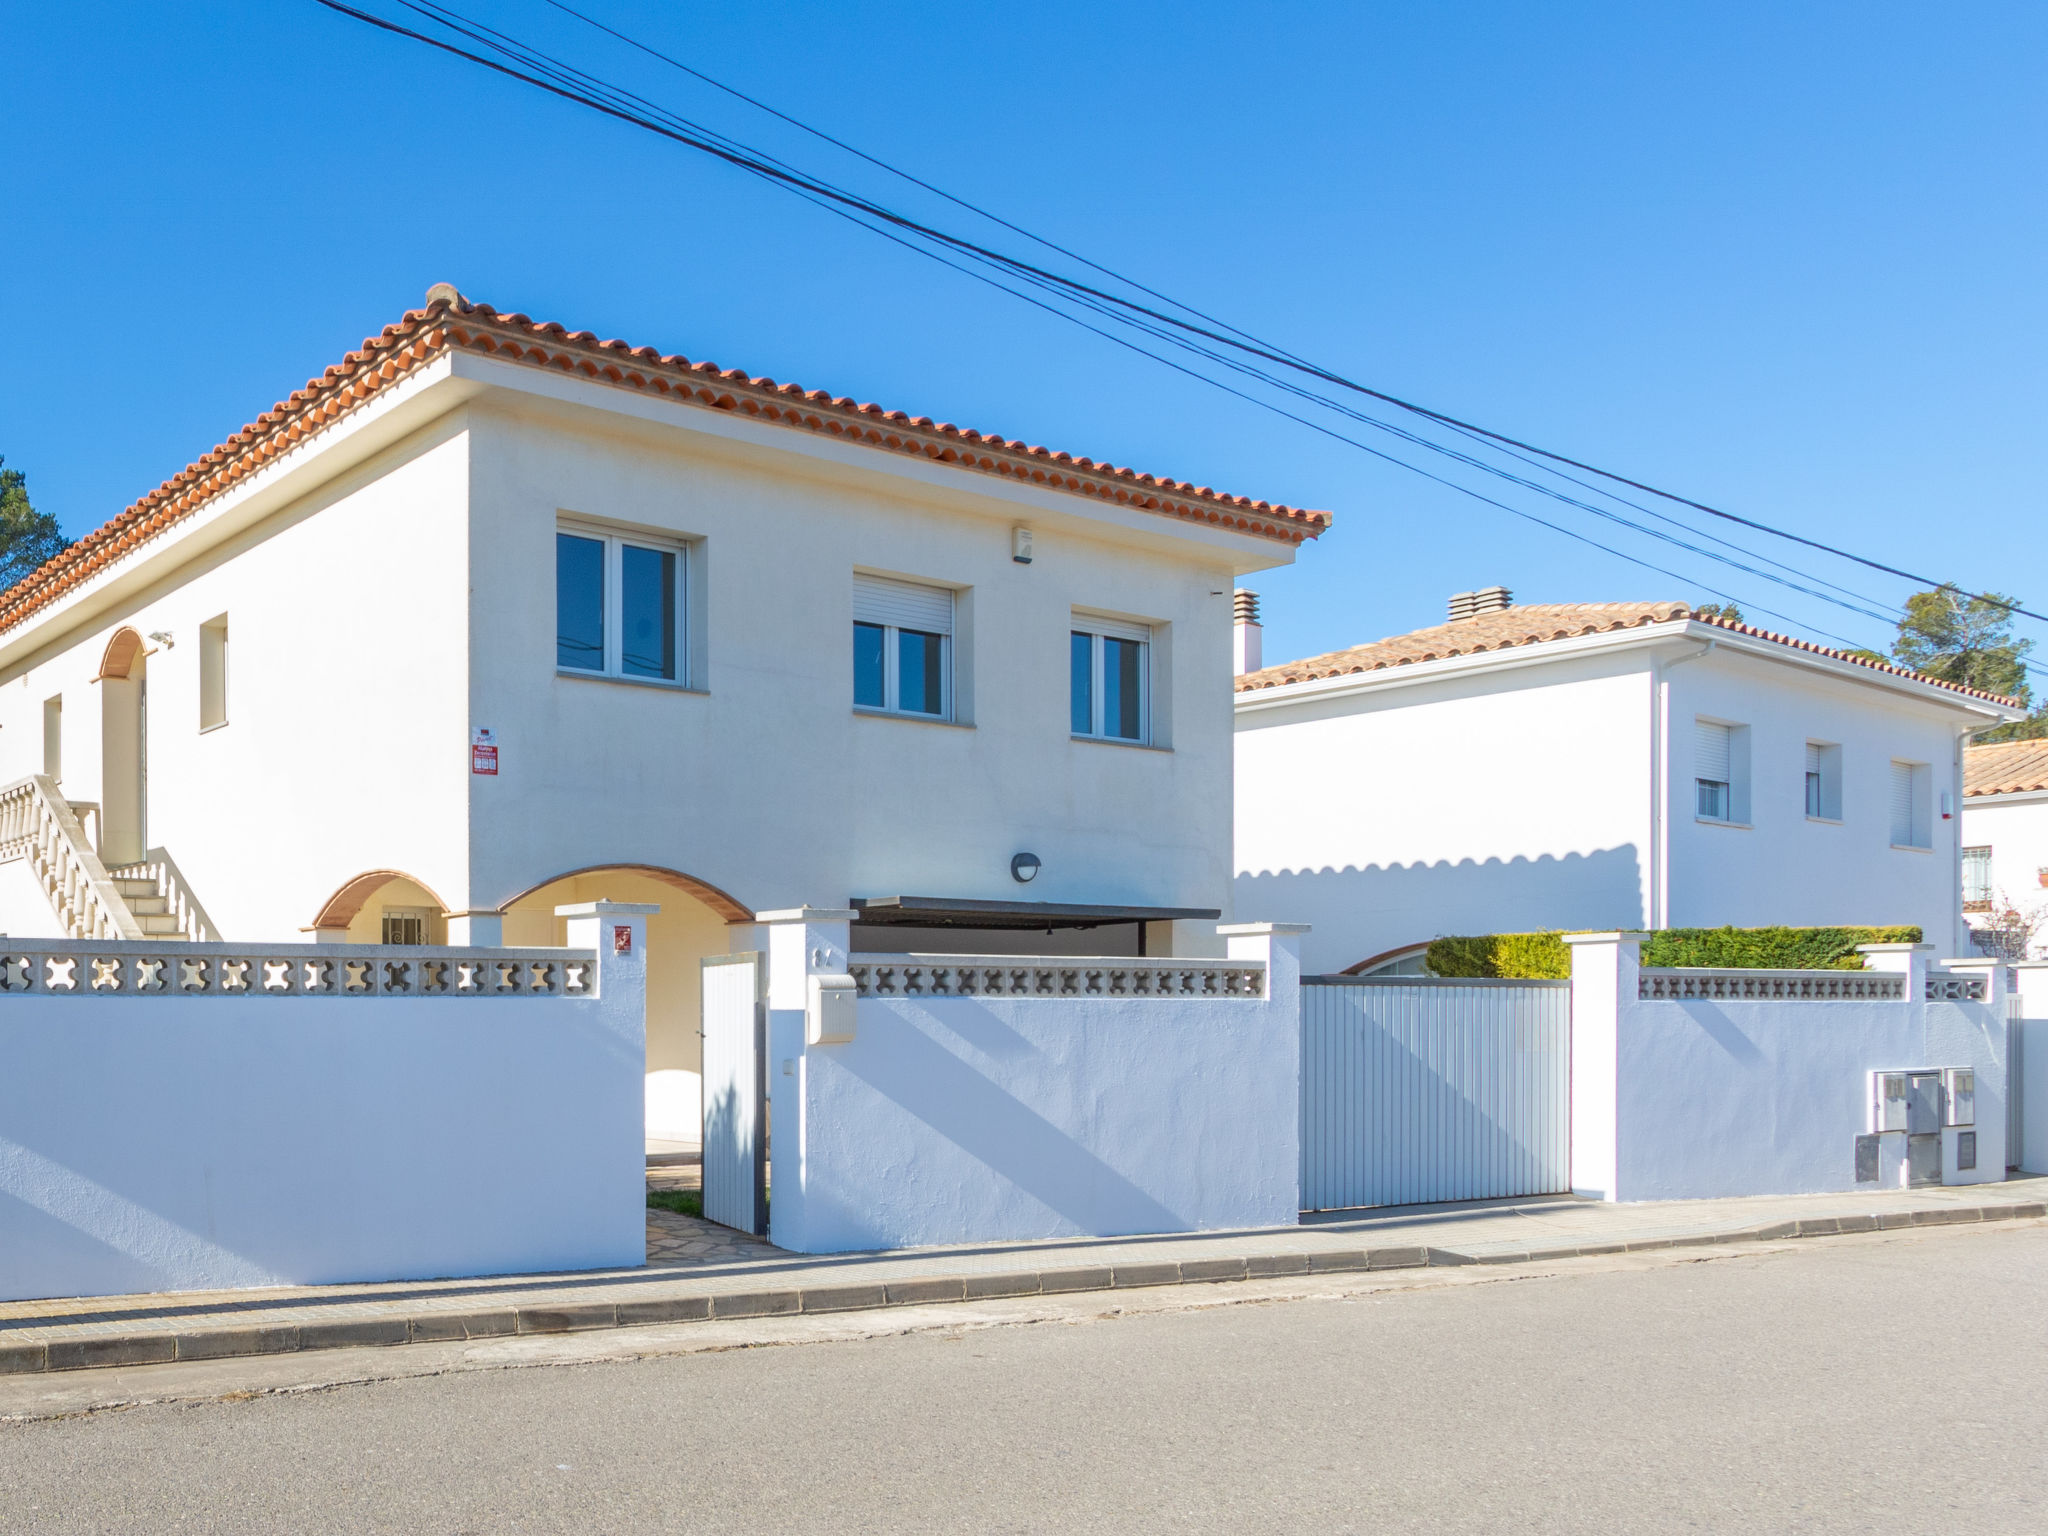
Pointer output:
x,y
1914,1116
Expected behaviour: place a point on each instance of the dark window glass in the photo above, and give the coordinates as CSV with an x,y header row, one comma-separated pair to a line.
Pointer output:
x,y
1813,794
919,683
868,690
1122,688
647,591
1082,666
579,602
1713,800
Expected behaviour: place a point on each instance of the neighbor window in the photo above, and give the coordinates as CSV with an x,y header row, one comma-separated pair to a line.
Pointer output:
x,y
1976,879
618,606
1109,661
902,647
1911,803
1823,781
1713,771
53,737
213,673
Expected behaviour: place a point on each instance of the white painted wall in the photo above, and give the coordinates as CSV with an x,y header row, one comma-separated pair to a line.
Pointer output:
x,y
2031,1080
2015,829
950,1120
181,1143
1785,867
1699,1099
1478,803
1552,786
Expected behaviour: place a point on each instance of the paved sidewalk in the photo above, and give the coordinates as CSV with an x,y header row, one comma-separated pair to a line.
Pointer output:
x,y
740,1277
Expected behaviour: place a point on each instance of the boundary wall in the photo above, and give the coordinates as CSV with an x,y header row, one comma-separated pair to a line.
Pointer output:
x,y
210,1116
937,1099
1705,1084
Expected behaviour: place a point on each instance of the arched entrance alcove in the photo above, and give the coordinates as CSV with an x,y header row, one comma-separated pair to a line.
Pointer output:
x,y
124,749
383,906
691,924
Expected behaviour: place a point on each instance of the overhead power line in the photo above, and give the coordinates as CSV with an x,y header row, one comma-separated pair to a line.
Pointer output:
x,y
533,67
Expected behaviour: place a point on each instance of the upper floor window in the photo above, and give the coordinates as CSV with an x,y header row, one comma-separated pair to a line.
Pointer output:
x,y
1110,664
213,673
618,606
1823,781
1720,771
1912,801
902,647
1976,879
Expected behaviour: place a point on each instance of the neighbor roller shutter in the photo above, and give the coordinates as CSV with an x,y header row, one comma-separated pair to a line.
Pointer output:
x,y
1710,752
903,604
1813,757
1902,805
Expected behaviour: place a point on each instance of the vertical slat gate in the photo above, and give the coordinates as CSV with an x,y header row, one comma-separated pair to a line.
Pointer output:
x,y
1419,1089
735,1092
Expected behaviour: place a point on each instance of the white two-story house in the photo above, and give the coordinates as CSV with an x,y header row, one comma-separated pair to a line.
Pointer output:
x,y
493,616
1595,766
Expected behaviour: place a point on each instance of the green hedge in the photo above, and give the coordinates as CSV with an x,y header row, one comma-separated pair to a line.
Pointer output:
x,y
1748,949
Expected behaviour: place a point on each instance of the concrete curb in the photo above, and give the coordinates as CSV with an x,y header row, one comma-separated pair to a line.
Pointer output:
x,y
163,1347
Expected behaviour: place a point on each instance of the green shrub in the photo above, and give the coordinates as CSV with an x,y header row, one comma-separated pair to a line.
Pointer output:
x,y
1546,955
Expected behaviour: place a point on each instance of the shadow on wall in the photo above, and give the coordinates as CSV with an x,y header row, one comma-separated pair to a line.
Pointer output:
x,y
1358,913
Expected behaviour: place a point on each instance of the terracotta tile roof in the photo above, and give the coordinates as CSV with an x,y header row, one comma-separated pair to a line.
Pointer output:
x,y
1532,624
449,321
2005,767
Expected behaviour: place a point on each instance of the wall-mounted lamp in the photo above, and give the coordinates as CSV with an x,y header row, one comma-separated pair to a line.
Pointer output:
x,y
163,638
1024,868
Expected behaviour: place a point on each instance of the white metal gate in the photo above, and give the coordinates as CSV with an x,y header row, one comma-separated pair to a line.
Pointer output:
x,y
1418,1089
735,1032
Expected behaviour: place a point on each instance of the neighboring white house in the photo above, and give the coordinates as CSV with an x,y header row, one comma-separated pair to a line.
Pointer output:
x,y
492,617
1594,766
2005,845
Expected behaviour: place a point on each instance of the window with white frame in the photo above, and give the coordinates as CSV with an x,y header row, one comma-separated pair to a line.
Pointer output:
x,y
1976,879
1716,770
618,605
1912,797
902,647
1110,667
1823,781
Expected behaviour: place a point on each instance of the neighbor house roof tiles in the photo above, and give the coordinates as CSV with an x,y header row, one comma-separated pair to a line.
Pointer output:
x,y
2005,767
449,321
1532,624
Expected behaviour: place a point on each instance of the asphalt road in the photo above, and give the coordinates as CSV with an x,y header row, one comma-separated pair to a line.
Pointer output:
x,y
1894,1384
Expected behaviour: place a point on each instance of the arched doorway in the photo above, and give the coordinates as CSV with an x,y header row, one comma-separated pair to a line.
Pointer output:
x,y
382,906
691,924
124,750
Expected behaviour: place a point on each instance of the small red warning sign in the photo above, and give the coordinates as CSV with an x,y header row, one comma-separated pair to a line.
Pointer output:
x,y
483,760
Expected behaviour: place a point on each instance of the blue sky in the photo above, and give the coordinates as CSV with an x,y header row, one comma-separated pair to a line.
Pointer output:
x,y
1786,259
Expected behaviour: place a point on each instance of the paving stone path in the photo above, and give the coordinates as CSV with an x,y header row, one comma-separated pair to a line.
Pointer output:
x,y
675,1239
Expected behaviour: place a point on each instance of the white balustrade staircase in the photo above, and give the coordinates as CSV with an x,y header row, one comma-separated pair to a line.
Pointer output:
x,y
142,901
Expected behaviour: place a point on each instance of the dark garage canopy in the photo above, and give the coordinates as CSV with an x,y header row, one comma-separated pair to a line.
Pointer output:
x,y
1024,916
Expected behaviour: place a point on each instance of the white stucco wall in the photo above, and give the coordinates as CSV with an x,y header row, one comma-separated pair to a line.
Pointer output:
x,y
1707,1099
1784,867
346,723
766,783
2015,829
179,1143
1552,786
1482,803
948,1120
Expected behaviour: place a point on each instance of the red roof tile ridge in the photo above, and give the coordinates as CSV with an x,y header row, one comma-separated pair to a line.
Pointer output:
x,y
450,320
1536,623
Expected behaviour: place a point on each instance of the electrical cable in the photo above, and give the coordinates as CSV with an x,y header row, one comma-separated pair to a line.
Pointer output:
x,y
578,86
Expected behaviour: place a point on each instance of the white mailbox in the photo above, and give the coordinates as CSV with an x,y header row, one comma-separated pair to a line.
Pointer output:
x,y
830,1010
1961,1083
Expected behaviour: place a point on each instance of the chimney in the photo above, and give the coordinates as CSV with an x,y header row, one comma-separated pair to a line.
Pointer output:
x,y
1468,605
1245,608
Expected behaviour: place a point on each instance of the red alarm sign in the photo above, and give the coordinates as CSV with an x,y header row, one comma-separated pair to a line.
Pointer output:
x,y
622,938
483,751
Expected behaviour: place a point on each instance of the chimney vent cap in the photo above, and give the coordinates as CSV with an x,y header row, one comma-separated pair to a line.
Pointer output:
x,y
1244,606
1469,605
